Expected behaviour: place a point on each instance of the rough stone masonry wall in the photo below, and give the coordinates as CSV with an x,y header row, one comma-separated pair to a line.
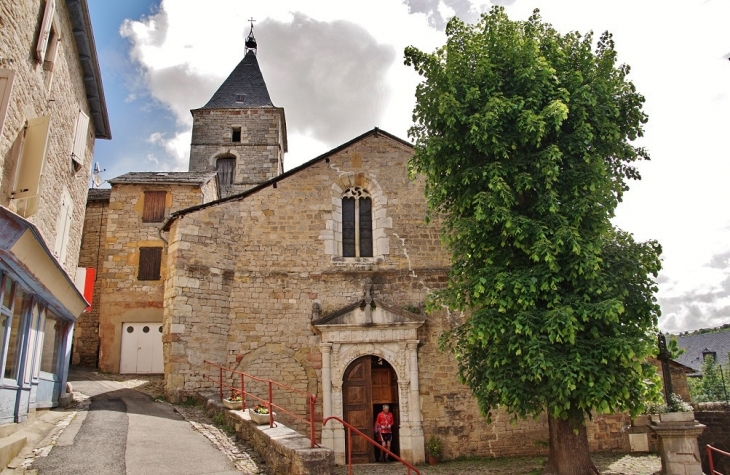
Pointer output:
x,y
19,26
257,319
259,155
124,298
86,331
716,416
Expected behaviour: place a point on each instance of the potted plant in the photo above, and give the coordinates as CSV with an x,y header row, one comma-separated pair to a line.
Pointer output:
x,y
234,402
676,410
259,414
433,450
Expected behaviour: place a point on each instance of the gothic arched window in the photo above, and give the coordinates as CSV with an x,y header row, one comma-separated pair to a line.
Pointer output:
x,y
225,167
357,223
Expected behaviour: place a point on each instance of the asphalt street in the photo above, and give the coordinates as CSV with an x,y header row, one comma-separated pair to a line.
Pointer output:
x,y
125,432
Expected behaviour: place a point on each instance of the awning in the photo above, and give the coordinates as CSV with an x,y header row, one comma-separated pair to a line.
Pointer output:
x,y
25,255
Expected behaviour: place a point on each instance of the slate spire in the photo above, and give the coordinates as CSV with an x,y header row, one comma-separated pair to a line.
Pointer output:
x,y
245,87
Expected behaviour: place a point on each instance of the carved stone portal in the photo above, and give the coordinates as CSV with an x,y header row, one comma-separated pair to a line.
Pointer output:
x,y
370,327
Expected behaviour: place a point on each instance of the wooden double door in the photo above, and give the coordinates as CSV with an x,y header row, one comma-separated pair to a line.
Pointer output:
x,y
369,383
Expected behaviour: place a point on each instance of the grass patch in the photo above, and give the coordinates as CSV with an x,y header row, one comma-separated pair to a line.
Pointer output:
x,y
219,419
188,402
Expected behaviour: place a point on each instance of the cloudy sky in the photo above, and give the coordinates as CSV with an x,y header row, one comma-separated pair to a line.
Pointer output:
x,y
337,69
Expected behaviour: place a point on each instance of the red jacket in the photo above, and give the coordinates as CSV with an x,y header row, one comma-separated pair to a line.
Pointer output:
x,y
385,422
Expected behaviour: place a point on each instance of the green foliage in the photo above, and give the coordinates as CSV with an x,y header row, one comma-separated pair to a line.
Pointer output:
x,y
189,402
523,136
433,446
219,419
673,348
702,331
713,385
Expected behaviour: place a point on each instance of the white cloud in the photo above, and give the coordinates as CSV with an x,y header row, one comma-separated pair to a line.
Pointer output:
x,y
177,148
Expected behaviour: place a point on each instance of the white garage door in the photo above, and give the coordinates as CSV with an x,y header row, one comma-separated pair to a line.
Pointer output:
x,y
141,348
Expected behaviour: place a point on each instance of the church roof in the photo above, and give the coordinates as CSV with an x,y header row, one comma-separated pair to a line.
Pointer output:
x,y
244,88
178,178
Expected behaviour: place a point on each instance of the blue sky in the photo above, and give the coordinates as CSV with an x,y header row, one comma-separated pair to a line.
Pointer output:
x,y
337,69
129,119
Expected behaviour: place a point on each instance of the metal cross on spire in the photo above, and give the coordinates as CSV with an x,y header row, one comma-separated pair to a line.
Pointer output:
x,y
250,40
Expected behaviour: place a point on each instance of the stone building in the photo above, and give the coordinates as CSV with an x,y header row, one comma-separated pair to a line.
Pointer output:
x,y
121,230
315,277
52,109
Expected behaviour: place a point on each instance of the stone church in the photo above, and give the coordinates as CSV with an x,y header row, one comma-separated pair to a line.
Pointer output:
x,y
315,277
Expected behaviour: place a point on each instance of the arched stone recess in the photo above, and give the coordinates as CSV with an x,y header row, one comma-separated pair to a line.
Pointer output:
x,y
278,363
332,234
223,152
370,327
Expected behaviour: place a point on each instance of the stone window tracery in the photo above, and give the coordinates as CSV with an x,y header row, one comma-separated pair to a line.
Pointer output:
x,y
357,223
357,200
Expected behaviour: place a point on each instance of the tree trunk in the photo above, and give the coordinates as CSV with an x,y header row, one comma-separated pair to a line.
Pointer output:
x,y
569,454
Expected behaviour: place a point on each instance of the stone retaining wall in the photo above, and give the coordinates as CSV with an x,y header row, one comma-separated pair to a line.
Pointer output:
x,y
286,452
716,416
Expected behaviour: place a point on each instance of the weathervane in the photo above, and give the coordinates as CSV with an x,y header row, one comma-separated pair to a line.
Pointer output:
x,y
250,40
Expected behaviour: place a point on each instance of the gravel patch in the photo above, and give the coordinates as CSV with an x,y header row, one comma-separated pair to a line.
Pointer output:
x,y
608,464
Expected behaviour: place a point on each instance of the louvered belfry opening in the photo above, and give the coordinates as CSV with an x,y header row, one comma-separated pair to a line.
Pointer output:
x,y
226,168
357,223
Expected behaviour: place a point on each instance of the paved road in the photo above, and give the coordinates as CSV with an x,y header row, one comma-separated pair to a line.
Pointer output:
x,y
126,432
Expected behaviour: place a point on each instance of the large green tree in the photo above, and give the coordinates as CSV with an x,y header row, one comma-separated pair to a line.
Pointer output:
x,y
524,137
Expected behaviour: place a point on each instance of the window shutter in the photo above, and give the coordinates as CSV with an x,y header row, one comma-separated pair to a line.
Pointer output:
x,y
150,259
6,87
366,227
63,226
45,31
154,206
79,143
28,177
348,227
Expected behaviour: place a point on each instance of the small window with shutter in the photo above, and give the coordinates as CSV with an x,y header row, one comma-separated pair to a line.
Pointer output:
x,y
154,206
44,35
78,147
150,259
33,157
63,226
47,45
6,87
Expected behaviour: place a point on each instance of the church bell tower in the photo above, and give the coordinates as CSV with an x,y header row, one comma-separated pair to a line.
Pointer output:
x,y
239,133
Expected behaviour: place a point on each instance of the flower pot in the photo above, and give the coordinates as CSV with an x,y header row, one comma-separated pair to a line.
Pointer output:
x,y
432,460
235,405
259,418
677,417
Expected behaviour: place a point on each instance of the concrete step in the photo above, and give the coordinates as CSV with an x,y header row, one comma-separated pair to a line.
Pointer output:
x,y
11,446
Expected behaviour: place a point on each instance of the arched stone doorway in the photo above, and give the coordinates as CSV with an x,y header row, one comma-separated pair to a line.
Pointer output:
x,y
369,383
370,328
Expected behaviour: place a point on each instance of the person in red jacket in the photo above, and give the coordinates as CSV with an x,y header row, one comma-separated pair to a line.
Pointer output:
x,y
384,424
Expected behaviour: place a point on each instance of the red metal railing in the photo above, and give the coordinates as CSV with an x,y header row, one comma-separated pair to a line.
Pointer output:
x,y
711,449
267,403
350,430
